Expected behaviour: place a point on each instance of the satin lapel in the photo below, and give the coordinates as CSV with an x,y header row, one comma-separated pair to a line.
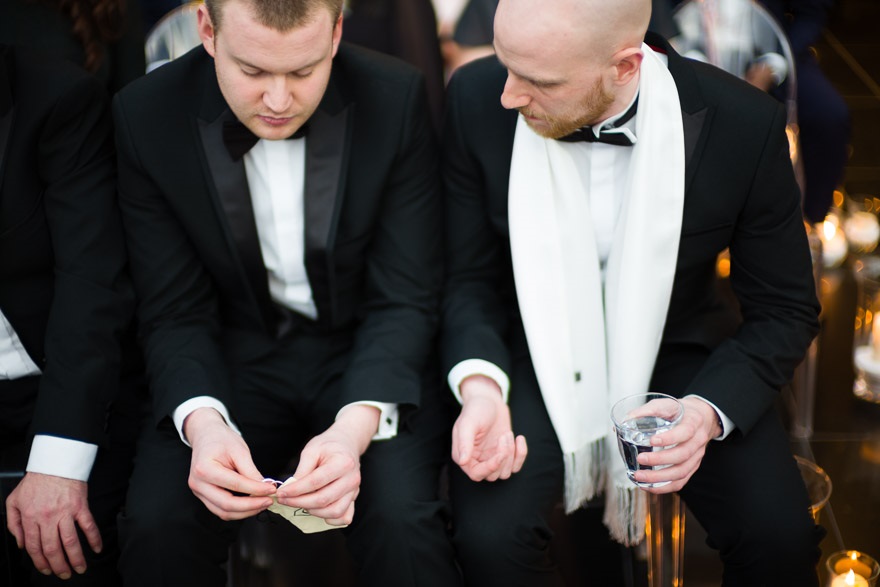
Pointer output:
x,y
7,110
693,129
327,148
694,111
234,199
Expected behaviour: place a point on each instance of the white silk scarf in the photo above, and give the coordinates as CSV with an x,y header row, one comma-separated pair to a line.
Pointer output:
x,y
591,347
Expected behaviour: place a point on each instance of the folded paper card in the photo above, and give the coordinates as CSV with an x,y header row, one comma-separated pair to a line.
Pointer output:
x,y
299,517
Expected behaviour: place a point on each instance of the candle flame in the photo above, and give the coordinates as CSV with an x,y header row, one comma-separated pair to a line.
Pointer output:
x,y
853,555
850,577
828,229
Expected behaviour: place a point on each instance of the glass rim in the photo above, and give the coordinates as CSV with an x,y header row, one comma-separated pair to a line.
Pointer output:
x,y
654,395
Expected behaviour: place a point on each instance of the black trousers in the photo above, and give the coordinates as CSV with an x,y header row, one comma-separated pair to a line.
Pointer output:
x,y
286,393
106,487
747,494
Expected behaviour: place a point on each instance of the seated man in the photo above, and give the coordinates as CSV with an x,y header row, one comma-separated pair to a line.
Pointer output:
x,y
281,204
67,392
585,212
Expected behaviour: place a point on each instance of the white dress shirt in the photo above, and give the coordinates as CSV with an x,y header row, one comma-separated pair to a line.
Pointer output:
x,y
276,181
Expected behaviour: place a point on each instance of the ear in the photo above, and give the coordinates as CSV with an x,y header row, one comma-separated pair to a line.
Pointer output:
x,y
206,29
337,34
626,64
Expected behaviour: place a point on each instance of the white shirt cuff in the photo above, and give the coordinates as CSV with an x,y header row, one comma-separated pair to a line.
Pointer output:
x,y
62,457
191,405
388,418
727,425
470,367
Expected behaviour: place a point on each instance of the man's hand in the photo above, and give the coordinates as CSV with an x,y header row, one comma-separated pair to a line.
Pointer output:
x,y
483,444
221,466
697,427
761,76
328,478
42,513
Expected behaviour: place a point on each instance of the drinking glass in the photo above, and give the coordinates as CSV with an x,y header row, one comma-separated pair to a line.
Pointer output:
x,y
638,418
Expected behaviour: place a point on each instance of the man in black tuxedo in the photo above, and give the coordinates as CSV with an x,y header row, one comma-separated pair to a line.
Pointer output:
x,y
65,305
287,289
585,214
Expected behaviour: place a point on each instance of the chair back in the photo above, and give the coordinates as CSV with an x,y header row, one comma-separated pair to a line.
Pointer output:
x,y
733,35
173,35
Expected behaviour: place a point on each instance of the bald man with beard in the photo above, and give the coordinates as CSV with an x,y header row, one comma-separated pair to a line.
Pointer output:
x,y
592,177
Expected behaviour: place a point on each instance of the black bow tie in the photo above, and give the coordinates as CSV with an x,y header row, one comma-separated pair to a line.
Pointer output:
x,y
239,139
607,135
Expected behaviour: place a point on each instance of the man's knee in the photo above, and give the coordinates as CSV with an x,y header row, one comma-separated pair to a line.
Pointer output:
x,y
786,542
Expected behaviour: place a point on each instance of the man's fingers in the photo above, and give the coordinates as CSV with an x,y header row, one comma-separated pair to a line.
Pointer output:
x,y
226,506
344,520
72,550
522,450
232,480
331,501
13,523
34,547
462,441
308,462
87,524
507,449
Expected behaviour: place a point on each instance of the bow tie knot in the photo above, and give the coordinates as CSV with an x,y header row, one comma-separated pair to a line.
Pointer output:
x,y
620,137
610,135
239,139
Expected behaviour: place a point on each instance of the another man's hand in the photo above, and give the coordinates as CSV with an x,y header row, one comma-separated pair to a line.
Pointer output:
x,y
697,427
222,467
42,513
761,76
483,444
328,478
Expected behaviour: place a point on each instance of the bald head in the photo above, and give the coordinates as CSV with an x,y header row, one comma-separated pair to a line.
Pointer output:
x,y
582,29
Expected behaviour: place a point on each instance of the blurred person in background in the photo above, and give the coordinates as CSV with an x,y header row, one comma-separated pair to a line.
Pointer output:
x,y
69,378
105,37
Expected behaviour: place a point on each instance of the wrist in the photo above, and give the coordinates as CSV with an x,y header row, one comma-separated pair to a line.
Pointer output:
x,y
480,386
200,419
360,423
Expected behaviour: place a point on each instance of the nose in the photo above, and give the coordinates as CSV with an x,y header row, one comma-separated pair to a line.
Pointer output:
x,y
513,95
277,97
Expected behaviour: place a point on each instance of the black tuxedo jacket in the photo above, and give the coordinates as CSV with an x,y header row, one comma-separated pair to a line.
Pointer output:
x,y
740,193
62,258
372,222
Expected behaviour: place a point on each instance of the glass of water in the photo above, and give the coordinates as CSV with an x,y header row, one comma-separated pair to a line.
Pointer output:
x,y
636,419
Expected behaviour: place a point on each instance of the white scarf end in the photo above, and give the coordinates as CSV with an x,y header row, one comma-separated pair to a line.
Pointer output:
x,y
585,474
625,512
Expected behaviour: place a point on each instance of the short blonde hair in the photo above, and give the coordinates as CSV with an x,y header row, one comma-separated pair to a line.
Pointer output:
x,y
281,15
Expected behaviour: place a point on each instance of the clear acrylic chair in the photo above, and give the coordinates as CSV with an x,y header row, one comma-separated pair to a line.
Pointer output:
x,y
734,35
173,35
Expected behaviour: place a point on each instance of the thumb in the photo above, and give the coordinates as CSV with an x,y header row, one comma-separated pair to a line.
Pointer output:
x,y
463,437
244,466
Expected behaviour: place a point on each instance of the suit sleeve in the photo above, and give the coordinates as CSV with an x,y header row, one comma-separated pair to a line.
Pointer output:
x,y
403,270
771,275
92,300
475,309
177,307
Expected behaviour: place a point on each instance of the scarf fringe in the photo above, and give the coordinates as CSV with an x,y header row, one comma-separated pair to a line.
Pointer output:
x,y
626,509
585,474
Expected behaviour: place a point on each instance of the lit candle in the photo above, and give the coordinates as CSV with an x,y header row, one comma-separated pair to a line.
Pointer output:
x,y
875,338
834,245
862,230
850,579
867,356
